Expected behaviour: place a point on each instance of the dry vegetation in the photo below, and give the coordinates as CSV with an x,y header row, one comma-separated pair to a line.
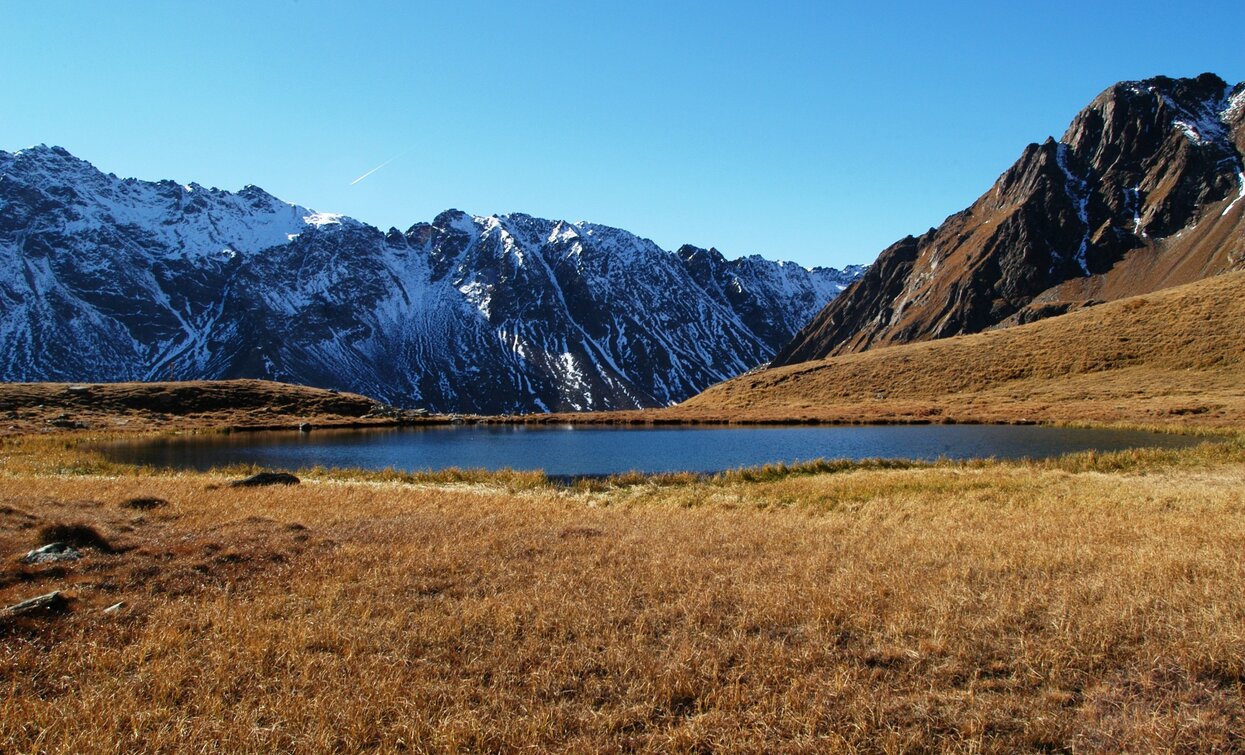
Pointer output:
x,y
1172,357
1091,603
27,408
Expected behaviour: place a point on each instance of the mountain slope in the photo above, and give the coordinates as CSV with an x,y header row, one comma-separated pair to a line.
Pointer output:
x,y
1142,192
104,279
1172,355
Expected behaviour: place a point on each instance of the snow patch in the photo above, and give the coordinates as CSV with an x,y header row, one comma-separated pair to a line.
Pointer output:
x,y
1233,105
562,232
323,218
1205,123
1240,194
479,294
1078,191
465,224
1191,132
1132,197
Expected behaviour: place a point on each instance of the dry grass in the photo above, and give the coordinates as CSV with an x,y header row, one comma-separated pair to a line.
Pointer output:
x,y
203,405
1090,603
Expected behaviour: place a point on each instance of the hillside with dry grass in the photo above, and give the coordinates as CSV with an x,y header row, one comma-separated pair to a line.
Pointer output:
x,y
1175,356
189,405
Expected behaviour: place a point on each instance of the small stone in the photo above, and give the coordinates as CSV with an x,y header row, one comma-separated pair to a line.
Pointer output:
x,y
266,478
51,553
65,424
305,427
115,607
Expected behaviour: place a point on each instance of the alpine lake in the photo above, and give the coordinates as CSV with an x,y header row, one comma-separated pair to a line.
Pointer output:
x,y
568,451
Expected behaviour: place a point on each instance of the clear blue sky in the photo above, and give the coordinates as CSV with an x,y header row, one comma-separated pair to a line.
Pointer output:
x,y
800,130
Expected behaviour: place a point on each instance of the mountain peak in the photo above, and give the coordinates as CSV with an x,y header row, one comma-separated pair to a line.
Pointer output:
x,y
1148,111
1108,210
43,151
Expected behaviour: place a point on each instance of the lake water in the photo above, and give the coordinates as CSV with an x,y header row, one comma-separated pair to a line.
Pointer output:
x,y
565,450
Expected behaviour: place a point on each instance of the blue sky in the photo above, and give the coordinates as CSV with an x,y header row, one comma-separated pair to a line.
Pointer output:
x,y
801,130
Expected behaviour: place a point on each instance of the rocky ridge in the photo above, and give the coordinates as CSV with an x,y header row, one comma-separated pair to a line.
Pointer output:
x,y
1142,192
105,279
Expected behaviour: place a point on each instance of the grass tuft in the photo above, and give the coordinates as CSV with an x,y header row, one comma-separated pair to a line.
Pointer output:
x,y
76,534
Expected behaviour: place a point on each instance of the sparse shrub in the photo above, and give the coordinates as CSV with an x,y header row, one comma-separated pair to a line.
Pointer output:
x,y
144,504
77,534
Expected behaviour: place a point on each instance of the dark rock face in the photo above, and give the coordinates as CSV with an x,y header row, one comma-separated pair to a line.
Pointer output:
x,y
144,504
748,286
105,280
1139,194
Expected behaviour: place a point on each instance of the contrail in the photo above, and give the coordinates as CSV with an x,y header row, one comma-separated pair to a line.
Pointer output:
x,y
378,167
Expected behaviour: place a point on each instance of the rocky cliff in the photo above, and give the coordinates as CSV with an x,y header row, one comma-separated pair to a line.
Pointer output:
x,y
1142,192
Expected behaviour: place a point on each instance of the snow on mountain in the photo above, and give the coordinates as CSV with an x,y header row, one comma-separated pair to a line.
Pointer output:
x,y
118,279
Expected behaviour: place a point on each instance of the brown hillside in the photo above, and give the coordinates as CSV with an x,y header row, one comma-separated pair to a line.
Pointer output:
x,y
1175,355
33,407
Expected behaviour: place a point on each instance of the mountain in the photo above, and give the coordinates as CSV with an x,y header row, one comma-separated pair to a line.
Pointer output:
x,y
108,279
1142,192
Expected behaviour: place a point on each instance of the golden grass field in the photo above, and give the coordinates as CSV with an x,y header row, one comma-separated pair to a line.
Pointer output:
x,y
1088,604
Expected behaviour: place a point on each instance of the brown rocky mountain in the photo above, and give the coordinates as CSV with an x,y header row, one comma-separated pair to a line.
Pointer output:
x,y
1144,191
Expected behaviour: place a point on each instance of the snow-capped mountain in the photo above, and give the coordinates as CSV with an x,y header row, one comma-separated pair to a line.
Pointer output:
x,y
108,279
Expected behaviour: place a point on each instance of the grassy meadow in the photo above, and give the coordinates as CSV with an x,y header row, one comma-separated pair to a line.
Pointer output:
x,y
1091,603
1175,356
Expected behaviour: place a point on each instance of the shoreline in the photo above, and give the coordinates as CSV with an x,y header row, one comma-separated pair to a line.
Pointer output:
x,y
259,406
